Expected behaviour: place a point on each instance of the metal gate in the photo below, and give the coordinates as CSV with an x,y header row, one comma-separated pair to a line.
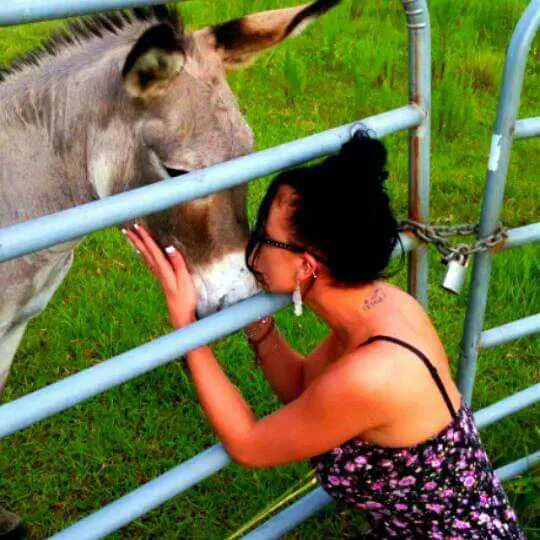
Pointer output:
x,y
70,224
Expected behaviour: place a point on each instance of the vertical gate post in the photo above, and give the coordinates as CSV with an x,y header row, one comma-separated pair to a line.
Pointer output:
x,y
499,157
419,27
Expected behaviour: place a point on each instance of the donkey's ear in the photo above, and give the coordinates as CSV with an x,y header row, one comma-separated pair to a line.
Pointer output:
x,y
239,41
154,60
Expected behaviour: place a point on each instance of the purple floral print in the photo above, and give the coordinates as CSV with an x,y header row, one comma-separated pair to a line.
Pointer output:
x,y
443,488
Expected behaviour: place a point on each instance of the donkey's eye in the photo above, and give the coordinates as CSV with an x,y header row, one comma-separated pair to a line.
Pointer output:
x,y
175,172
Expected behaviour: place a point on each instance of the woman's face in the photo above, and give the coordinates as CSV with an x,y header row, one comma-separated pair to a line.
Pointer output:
x,y
279,267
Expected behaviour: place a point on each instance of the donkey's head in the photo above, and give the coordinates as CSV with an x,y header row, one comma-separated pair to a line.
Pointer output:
x,y
189,119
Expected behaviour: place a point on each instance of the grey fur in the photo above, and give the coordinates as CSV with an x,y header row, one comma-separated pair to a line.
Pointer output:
x,y
71,134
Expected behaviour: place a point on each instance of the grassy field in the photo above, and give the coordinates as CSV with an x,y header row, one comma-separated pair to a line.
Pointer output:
x,y
350,65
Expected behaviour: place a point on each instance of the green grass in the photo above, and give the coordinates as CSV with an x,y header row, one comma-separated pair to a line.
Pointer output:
x,y
350,65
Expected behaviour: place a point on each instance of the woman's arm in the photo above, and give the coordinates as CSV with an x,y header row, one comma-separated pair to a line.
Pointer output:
x,y
288,372
336,406
283,367
339,405
226,409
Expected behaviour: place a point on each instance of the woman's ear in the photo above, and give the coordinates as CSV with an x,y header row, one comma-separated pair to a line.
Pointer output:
x,y
308,267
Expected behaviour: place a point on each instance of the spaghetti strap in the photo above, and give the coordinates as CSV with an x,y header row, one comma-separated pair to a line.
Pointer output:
x,y
432,369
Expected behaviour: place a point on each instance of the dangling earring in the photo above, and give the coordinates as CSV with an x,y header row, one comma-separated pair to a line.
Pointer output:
x,y
297,300
297,296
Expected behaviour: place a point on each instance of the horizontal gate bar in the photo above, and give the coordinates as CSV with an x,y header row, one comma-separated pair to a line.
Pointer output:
x,y
150,495
143,499
129,507
510,331
73,223
527,128
292,516
66,393
25,11
518,466
63,394
507,406
520,236
317,499
409,243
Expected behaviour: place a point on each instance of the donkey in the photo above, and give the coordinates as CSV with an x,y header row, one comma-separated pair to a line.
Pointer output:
x,y
115,102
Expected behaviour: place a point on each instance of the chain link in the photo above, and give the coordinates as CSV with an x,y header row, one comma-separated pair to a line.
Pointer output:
x,y
438,235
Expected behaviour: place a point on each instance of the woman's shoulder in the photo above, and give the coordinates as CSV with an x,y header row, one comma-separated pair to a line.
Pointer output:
x,y
397,297
388,373
406,319
370,370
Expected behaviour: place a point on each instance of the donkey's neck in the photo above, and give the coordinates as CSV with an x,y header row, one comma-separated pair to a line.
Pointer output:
x,y
69,121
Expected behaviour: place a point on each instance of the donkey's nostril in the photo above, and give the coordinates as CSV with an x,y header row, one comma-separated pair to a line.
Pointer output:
x,y
175,172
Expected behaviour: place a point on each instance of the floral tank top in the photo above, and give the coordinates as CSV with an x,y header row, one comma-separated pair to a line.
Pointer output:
x,y
442,488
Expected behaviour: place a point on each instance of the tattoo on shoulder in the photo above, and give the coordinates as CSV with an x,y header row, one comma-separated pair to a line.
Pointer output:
x,y
376,298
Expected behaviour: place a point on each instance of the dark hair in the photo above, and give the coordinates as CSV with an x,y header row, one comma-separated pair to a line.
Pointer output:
x,y
343,212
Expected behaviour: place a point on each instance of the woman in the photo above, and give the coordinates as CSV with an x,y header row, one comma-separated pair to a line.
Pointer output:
x,y
374,406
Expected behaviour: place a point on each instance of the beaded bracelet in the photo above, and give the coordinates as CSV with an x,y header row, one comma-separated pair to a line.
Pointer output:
x,y
255,343
252,341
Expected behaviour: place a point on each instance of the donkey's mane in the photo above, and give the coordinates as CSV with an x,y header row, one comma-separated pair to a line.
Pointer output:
x,y
87,28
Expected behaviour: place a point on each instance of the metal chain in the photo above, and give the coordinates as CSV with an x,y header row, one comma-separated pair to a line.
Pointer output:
x,y
437,235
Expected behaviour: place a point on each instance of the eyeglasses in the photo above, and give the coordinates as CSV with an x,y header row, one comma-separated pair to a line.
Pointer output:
x,y
294,248
263,239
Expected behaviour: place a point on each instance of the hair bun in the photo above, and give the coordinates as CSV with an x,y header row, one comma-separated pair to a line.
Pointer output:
x,y
363,153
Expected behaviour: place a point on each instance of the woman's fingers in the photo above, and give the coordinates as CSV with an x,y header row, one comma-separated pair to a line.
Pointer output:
x,y
141,249
164,267
184,280
149,243
159,262
177,260
171,271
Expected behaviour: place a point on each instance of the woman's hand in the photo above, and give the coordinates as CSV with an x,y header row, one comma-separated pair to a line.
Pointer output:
x,y
171,272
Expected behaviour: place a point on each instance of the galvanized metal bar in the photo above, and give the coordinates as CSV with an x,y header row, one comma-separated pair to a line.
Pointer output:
x,y
166,486
174,482
63,394
517,467
521,236
409,243
510,331
418,23
163,488
76,222
527,128
494,191
286,520
25,11
157,491
507,406
140,501
292,516
311,503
